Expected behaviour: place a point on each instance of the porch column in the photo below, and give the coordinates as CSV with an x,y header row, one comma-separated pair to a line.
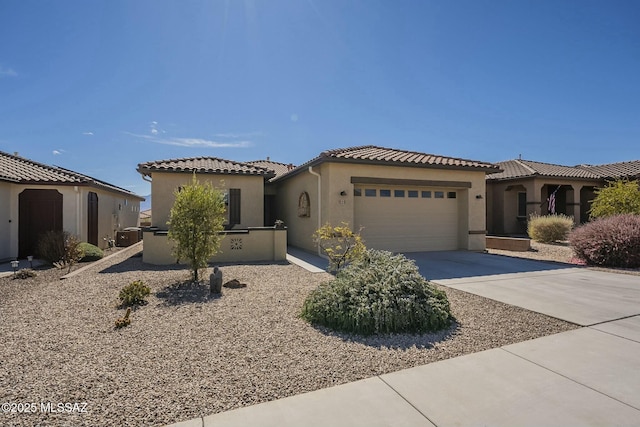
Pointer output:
x,y
535,201
575,202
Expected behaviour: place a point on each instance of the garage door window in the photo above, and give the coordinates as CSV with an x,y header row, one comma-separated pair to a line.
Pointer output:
x,y
412,194
398,193
370,192
426,194
439,194
385,193
451,195
357,192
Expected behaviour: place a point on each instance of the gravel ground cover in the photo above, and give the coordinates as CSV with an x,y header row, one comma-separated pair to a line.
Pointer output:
x,y
187,354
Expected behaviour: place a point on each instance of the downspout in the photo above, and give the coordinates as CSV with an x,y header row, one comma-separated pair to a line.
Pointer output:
x,y
312,172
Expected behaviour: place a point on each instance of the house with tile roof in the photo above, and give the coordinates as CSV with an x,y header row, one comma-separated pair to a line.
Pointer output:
x,y
243,184
525,187
400,200
35,198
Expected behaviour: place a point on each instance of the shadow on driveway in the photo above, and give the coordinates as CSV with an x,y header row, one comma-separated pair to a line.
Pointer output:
x,y
462,264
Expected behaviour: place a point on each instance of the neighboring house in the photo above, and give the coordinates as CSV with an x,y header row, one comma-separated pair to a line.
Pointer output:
x,y
35,198
525,187
402,201
145,218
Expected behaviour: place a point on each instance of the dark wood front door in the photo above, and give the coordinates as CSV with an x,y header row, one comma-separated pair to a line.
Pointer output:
x,y
92,219
38,212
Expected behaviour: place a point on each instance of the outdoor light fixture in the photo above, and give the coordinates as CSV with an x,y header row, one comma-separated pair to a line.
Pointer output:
x,y
14,265
30,259
343,193
479,196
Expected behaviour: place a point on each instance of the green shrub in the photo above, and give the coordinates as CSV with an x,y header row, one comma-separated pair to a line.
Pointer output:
x,y
340,244
549,228
378,293
134,293
91,252
618,197
612,241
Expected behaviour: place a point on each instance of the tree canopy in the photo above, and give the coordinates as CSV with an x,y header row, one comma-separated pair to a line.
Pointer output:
x,y
618,197
195,223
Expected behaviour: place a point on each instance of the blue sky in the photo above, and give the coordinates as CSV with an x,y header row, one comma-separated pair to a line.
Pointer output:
x,y
100,86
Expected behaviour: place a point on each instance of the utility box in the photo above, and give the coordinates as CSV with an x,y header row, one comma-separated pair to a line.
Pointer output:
x,y
127,238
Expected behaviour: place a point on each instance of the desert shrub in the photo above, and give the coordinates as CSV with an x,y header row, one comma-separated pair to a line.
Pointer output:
x,y
72,253
60,248
378,293
134,293
612,241
123,321
90,252
341,244
25,273
618,197
549,228
50,246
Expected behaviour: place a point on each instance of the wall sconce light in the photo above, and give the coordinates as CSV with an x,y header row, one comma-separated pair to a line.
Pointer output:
x,y
479,196
14,265
30,259
343,193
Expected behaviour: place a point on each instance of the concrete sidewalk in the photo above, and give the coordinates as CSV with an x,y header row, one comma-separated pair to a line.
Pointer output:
x,y
584,377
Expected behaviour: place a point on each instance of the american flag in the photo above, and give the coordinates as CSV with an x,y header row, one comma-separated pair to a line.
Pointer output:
x,y
552,203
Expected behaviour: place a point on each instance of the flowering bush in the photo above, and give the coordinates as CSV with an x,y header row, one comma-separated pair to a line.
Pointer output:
x,y
549,228
612,241
378,293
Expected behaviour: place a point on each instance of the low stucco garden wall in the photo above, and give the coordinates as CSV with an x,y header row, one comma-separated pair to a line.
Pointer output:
x,y
248,245
508,243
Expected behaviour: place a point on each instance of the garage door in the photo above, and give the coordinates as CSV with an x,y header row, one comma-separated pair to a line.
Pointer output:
x,y
407,219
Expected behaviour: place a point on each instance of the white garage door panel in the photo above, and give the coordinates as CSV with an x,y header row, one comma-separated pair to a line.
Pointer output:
x,y
403,224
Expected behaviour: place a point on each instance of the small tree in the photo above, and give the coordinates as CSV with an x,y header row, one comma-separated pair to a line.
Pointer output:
x,y
340,244
618,197
195,223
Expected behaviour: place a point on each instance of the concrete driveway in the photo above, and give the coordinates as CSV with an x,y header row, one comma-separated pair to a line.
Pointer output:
x,y
575,294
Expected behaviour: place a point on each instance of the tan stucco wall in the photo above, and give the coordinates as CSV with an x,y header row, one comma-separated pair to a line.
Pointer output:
x,y
265,244
300,229
336,177
115,213
165,184
5,217
74,212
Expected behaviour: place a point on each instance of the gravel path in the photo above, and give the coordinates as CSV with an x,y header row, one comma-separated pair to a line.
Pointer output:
x,y
187,354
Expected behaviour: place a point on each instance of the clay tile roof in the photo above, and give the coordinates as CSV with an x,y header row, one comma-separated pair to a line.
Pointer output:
x,y
204,165
396,156
629,169
526,168
278,168
393,157
24,171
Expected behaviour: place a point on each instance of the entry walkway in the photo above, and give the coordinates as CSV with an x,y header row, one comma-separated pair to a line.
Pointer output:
x,y
584,377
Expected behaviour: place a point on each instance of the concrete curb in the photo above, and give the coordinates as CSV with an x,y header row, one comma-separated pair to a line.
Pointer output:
x,y
136,247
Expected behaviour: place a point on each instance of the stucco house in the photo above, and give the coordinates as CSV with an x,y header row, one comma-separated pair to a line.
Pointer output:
x,y
401,200
525,187
244,187
35,198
